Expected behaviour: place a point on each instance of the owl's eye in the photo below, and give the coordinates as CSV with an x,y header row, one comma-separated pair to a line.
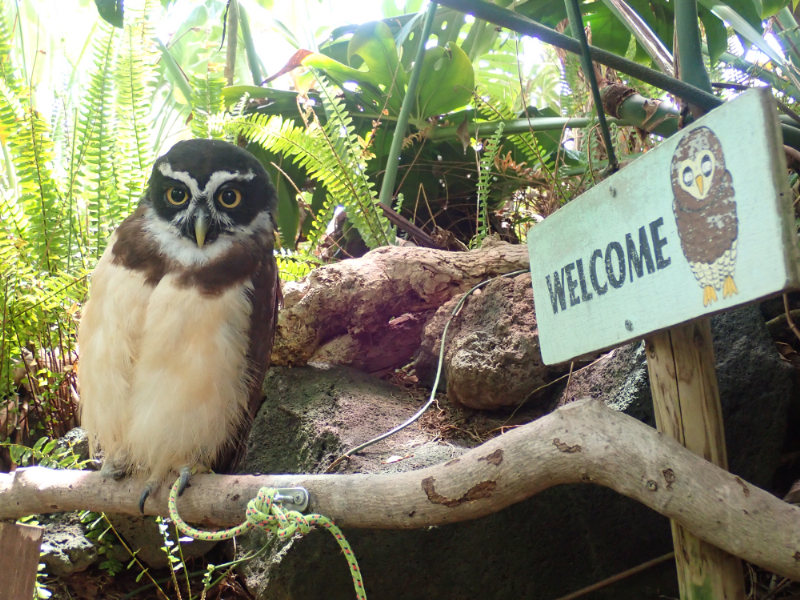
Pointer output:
x,y
177,196
230,198
688,176
706,166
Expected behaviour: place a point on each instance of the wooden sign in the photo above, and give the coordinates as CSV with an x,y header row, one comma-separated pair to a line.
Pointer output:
x,y
699,225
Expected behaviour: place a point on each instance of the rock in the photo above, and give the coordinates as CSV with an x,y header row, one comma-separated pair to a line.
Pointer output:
x,y
313,414
492,356
620,378
65,547
78,441
755,387
556,542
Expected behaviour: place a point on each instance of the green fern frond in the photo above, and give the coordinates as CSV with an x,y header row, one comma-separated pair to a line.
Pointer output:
x,y
97,132
330,155
38,196
135,76
320,223
340,135
491,108
293,265
485,184
207,101
8,68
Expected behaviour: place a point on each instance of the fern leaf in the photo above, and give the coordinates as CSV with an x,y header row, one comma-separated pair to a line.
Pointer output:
x,y
485,183
97,132
135,76
331,155
207,101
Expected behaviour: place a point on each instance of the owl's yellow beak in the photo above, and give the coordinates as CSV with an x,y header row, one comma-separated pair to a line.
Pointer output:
x,y
699,181
200,229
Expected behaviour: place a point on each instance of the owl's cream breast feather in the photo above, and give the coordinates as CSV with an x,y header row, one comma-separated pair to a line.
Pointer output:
x,y
190,388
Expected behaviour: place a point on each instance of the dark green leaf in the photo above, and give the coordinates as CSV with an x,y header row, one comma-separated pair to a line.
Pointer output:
x,y
716,34
772,7
111,11
608,32
446,82
374,44
748,10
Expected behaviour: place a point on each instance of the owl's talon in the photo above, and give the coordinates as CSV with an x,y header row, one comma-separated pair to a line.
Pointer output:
x,y
709,295
729,287
185,473
148,489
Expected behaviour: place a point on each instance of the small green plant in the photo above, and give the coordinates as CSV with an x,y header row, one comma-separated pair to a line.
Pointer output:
x,y
484,184
45,453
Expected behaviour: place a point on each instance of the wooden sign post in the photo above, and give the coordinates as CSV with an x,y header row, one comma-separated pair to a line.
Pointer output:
x,y
19,560
702,224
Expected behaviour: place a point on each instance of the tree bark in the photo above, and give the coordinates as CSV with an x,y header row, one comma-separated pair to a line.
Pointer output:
x,y
351,303
582,442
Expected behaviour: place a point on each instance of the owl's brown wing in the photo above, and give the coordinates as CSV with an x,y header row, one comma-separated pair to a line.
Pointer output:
x,y
265,299
708,231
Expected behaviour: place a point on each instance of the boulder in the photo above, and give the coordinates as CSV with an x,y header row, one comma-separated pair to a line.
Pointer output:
x,y
492,357
65,547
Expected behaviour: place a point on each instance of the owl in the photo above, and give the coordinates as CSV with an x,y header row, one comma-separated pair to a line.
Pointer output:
x,y
705,211
176,336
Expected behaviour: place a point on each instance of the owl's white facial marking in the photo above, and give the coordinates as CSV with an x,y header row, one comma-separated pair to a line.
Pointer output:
x,y
695,174
186,252
181,249
202,203
217,179
204,197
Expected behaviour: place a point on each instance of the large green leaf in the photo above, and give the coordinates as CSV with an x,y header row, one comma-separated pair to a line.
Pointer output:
x,y
368,84
374,44
608,32
647,41
112,11
716,34
446,82
772,7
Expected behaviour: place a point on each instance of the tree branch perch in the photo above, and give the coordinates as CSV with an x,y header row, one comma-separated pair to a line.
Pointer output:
x,y
582,442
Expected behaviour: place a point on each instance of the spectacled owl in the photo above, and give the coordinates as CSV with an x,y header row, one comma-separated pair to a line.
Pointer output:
x,y
176,336
705,211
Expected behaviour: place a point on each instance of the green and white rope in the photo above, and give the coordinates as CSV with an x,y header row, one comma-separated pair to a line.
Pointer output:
x,y
263,512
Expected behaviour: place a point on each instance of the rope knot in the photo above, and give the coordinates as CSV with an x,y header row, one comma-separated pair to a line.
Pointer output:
x,y
264,512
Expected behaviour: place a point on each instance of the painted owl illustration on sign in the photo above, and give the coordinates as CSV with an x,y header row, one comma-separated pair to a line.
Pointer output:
x,y
705,211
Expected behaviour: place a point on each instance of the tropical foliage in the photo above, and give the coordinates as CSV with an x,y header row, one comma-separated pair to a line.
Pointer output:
x,y
486,150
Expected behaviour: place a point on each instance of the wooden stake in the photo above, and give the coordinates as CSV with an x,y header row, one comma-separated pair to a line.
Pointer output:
x,y
683,380
19,560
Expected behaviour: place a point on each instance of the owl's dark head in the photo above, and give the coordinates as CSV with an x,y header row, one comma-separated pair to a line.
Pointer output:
x,y
207,191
